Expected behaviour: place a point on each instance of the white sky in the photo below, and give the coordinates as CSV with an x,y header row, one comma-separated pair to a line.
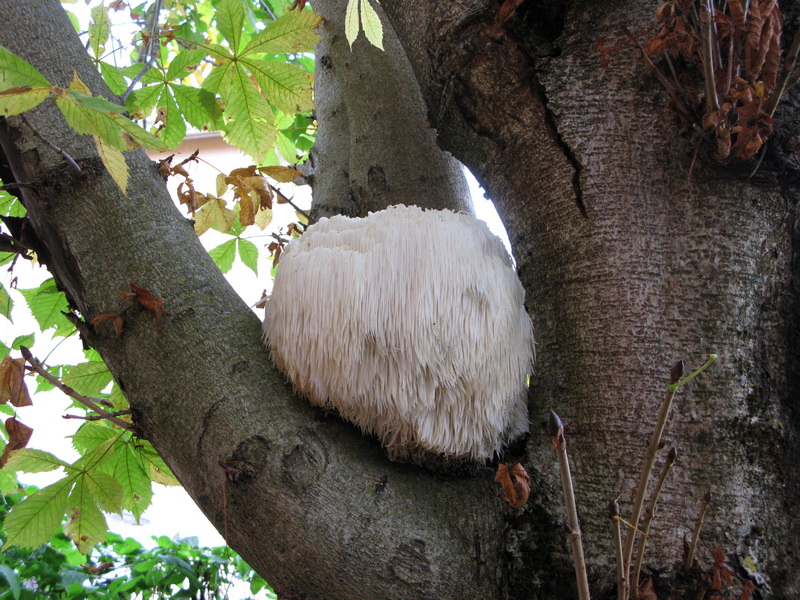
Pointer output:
x,y
172,513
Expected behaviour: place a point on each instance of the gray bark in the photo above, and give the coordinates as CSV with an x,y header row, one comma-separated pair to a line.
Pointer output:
x,y
629,265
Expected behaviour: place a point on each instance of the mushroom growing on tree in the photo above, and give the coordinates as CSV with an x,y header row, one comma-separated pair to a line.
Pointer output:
x,y
410,324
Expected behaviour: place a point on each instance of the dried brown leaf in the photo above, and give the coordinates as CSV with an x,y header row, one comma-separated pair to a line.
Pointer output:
x,y
647,591
19,435
508,9
12,382
282,174
147,300
516,484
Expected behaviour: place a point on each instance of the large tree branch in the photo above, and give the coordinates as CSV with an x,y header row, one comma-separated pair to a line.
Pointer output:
x,y
305,508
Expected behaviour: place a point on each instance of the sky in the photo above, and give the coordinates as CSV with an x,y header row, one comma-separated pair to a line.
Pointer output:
x,y
172,512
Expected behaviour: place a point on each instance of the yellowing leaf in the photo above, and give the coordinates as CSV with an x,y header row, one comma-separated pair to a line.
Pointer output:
x,y
114,162
292,32
29,460
222,185
214,214
19,99
282,174
34,520
351,21
99,29
371,23
263,218
86,525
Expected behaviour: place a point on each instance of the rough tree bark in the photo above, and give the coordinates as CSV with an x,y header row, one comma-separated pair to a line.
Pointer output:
x,y
628,263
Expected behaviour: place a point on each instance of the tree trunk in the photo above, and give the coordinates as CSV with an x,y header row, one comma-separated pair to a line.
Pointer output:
x,y
631,261
629,265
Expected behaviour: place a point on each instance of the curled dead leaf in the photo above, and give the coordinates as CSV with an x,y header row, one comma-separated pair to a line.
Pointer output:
x,y
12,382
118,321
147,300
516,484
19,435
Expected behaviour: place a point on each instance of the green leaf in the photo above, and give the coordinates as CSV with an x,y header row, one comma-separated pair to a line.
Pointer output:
x,y
136,136
89,378
155,466
230,19
129,470
12,580
23,340
213,214
15,72
118,399
29,460
224,254
86,525
251,128
113,77
287,86
114,162
90,435
199,106
185,63
34,520
99,30
106,490
96,103
291,33
47,304
6,303
170,115
97,456
144,99
371,23
10,206
248,252
351,21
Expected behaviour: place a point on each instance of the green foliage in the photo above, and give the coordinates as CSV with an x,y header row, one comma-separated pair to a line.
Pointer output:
x,y
122,568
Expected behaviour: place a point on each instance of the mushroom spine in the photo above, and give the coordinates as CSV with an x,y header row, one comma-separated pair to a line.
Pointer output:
x,y
409,323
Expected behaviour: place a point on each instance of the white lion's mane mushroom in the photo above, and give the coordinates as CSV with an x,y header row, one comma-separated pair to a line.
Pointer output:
x,y
410,324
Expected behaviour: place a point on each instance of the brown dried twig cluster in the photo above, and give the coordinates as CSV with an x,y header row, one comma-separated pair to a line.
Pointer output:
x,y
721,64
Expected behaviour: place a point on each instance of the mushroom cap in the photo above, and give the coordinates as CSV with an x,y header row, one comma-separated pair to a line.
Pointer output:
x,y
409,323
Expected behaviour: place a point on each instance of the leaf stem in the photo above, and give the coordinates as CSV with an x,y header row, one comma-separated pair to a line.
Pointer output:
x,y
696,533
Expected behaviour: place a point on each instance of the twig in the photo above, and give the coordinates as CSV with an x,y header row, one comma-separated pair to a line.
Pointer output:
x,y
87,402
118,413
675,382
696,533
707,52
556,429
66,156
289,202
649,512
622,584
148,56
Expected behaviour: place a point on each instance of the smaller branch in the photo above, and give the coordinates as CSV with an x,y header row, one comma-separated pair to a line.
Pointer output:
x,y
556,429
87,402
289,202
696,533
118,413
15,186
649,513
675,382
616,527
66,156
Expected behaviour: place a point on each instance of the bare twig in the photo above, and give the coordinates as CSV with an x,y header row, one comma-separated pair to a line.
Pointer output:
x,y
675,382
86,401
66,156
696,533
707,52
556,429
148,56
649,512
118,413
622,583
